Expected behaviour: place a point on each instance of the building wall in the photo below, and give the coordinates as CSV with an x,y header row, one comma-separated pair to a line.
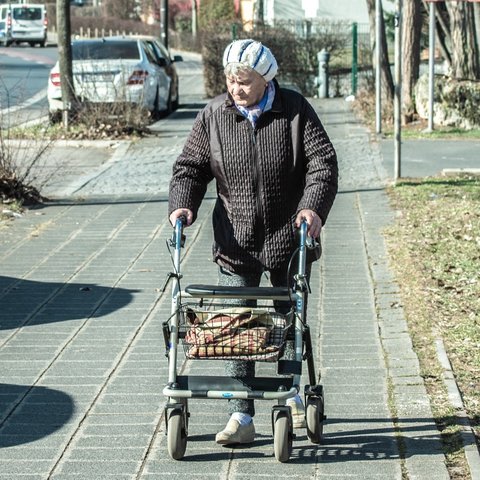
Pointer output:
x,y
349,10
283,10
247,14
337,10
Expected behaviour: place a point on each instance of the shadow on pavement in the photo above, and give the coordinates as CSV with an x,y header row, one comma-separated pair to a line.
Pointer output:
x,y
27,302
368,443
189,112
30,413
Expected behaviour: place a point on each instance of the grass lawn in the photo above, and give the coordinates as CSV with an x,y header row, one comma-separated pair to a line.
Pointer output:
x,y
435,252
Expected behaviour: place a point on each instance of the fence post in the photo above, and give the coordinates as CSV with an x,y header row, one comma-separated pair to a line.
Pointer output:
x,y
354,57
323,59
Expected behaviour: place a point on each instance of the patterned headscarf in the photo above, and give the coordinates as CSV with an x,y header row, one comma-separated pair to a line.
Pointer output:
x,y
253,113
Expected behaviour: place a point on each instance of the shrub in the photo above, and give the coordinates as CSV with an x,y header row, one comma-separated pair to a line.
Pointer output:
x,y
21,167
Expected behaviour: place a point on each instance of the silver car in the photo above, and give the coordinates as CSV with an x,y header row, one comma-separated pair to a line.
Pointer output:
x,y
119,70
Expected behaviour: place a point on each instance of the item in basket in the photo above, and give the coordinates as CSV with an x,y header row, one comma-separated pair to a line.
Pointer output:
x,y
233,332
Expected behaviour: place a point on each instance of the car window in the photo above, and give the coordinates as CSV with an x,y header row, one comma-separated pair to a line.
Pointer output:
x,y
161,51
24,13
150,52
110,50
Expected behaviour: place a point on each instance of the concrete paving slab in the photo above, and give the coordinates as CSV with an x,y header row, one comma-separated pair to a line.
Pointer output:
x,y
83,340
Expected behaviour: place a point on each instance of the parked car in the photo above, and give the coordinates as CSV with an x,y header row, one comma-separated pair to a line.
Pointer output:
x,y
119,70
23,22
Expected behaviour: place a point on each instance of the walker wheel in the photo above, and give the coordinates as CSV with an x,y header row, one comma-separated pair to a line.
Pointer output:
x,y
315,415
282,437
176,434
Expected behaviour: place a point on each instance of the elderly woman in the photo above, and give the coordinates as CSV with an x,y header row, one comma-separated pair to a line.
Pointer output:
x,y
274,165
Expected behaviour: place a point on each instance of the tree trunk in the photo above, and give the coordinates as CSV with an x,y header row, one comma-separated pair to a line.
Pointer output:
x,y
65,54
464,48
443,36
387,78
476,15
412,29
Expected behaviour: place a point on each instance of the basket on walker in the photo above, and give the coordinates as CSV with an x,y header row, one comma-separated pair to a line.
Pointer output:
x,y
234,333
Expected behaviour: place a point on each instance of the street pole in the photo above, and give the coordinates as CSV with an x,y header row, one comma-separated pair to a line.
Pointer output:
x,y
378,71
354,57
431,65
164,22
398,89
194,18
64,30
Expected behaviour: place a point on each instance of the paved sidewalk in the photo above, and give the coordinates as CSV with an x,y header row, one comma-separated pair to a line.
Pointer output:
x,y
81,345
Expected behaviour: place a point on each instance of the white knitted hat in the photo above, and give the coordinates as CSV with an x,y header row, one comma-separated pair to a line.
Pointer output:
x,y
254,54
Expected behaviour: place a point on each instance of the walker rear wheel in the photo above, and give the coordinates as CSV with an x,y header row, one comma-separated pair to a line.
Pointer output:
x,y
282,437
176,434
314,415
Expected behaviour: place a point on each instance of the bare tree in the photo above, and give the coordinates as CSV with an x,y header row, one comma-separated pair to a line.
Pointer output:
x,y
387,79
412,29
443,32
458,37
465,63
476,14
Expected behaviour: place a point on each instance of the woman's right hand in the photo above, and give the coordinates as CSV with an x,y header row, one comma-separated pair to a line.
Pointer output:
x,y
181,212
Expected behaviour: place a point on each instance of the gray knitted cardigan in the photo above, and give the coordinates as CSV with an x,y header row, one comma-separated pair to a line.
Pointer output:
x,y
264,176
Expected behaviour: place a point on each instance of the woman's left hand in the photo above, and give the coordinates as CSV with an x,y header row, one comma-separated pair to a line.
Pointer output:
x,y
314,222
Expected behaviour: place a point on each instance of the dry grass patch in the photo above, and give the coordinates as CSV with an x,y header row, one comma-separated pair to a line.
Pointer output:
x,y
435,251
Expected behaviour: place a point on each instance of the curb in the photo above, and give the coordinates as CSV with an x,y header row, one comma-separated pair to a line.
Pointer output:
x,y
120,151
468,437
456,171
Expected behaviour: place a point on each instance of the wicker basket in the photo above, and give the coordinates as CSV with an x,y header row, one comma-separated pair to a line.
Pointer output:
x,y
234,333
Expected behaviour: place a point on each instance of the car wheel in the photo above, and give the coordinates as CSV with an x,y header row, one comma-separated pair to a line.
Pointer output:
x,y
176,102
169,109
156,112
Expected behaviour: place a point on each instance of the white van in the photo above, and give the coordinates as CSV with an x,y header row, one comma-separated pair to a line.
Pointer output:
x,y
23,22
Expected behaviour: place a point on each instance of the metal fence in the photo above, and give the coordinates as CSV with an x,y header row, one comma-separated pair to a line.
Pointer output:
x,y
348,45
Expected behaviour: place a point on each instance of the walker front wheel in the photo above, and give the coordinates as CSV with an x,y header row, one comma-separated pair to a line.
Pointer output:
x,y
315,415
282,437
176,434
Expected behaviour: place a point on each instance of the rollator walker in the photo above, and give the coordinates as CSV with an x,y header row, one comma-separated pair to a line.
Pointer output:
x,y
209,327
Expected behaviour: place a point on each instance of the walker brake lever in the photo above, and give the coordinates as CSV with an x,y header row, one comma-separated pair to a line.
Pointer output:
x,y
311,243
172,240
170,275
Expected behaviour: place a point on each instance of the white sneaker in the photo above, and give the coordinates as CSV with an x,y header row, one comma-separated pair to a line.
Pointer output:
x,y
235,433
298,412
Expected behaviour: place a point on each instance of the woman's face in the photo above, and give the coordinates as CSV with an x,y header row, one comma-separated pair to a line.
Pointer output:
x,y
246,87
